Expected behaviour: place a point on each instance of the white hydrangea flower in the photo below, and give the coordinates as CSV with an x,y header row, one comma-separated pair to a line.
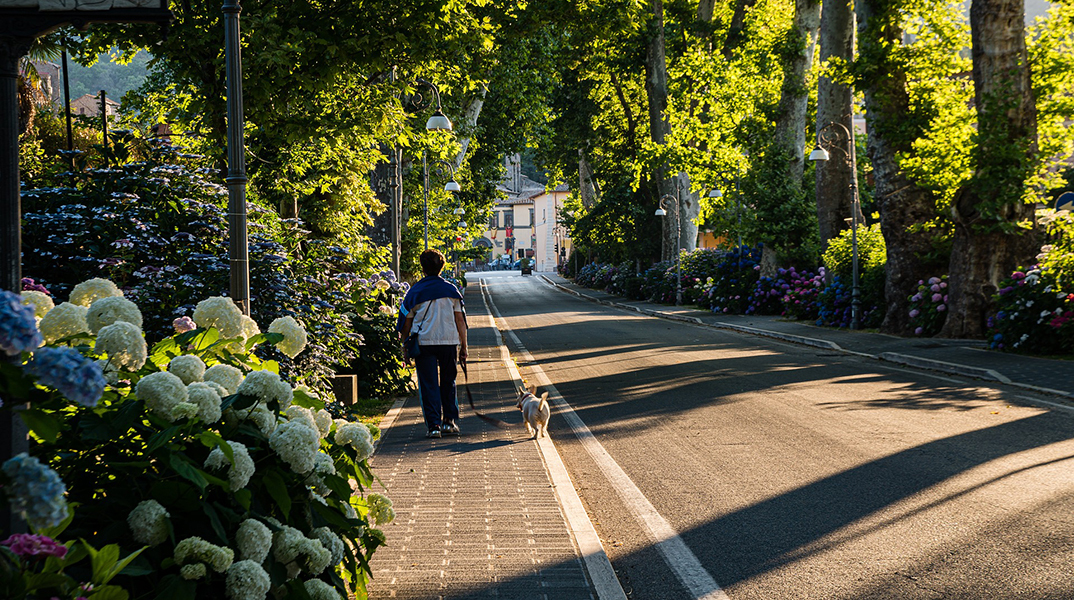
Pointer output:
x,y
267,386
296,443
226,375
195,549
105,311
41,302
331,542
149,523
89,291
247,580
207,398
193,571
356,436
184,410
255,540
301,413
259,414
286,544
240,471
319,590
323,419
124,345
294,336
219,389
63,321
324,464
222,313
161,392
380,509
187,367
249,327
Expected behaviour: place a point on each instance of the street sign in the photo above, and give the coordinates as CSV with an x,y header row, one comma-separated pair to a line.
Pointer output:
x,y
1065,202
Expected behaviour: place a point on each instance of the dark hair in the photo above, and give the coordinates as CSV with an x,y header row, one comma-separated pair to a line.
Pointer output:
x,y
432,262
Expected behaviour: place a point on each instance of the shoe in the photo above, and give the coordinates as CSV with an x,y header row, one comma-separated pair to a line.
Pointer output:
x,y
433,433
450,429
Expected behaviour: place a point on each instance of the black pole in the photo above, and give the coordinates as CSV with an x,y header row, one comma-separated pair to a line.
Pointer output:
x,y
104,118
238,246
67,104
13,434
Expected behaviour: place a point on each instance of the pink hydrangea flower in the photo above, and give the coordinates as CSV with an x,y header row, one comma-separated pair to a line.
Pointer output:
x,y
941,308
914,313
937,297
27,545
919,331
184,324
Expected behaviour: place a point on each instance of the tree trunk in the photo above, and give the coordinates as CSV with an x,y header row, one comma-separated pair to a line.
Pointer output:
x,y
794,95
690,206
988,244
656,90
587,185
901,202
735,33
469,120
834,105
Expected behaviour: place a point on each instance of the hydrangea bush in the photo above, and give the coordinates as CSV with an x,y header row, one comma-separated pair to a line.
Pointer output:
x,y
194,457
156,229
928,306
1034,314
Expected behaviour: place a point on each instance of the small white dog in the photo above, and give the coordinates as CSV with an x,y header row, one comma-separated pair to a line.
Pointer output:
x,y
535,411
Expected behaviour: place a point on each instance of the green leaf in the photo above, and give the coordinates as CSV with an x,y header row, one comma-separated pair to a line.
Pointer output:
x,y
36,581
331,515
276,488
271,365
176,588
44,425
243,497
205,339
160,438
304,400
262,338
102,562
242,401
109,592
214,520
180,465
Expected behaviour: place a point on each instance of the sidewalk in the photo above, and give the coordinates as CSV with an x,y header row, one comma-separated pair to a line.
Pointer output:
x,y
968,358
477,516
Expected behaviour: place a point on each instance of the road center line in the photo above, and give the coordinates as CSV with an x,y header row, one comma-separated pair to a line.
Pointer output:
x,y
676,553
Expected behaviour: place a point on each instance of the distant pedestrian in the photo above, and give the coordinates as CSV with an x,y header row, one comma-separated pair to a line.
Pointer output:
x,y
433,308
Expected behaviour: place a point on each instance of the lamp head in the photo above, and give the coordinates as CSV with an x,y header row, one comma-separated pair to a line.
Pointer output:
x,y
438,122
452,186
819,153
661,212
463,225
716,193
459,211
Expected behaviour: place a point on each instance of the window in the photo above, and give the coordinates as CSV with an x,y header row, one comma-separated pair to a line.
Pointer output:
x,y
509,218
531,218
494,220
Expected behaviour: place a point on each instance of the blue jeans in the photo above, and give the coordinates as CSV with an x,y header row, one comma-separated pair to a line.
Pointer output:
x,y
439,404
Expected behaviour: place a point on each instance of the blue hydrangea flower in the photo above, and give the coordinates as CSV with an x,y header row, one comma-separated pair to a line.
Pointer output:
x,y
18,328
78,378
35,492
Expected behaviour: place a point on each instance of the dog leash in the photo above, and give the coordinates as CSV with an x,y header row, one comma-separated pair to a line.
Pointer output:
x,y
470,396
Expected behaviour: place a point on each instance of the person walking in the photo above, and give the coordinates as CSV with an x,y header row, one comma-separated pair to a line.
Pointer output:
x,y
433,308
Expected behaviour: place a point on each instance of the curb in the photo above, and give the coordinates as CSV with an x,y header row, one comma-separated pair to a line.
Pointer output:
x,y
946,367
892,357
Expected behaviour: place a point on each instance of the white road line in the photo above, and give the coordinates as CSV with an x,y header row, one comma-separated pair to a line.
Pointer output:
x,y
605,582
676,553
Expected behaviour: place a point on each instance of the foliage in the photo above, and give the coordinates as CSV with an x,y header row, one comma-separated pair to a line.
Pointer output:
x,y
157,229
728,287
155,465
928,306
872,256
1057,254
835,309
1034,314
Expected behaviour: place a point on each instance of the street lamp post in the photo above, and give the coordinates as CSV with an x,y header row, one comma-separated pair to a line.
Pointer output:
x,y
718,193
826,140
451,186
662,212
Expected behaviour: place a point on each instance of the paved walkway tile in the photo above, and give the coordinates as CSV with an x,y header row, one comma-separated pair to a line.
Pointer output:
x,y
476,515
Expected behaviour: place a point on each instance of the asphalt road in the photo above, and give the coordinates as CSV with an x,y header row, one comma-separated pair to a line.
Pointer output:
x,y
791,472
